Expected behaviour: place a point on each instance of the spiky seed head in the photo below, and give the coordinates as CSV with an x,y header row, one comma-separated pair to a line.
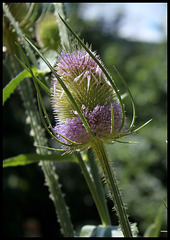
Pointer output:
x,y
93,94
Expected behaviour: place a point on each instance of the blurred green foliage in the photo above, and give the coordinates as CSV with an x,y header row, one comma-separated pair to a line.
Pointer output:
x,y
141,167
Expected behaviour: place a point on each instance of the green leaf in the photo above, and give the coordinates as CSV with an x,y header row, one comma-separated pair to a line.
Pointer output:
x,y
24,159
131,97
30,70
165,204
105,231
154,229
99,231
11,86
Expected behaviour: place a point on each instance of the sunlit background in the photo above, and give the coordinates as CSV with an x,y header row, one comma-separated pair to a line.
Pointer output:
x,y
138,21
133,38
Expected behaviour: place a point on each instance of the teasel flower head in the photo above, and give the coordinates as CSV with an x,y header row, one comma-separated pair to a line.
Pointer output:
x,y
94,95
47,33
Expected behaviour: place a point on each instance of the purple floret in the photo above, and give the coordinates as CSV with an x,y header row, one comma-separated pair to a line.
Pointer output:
x,y
99,121
75,63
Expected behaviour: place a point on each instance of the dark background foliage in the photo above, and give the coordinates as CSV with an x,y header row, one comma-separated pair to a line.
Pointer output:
x,y
141,167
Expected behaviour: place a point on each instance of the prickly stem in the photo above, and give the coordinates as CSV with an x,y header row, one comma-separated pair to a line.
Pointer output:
x,y
99,150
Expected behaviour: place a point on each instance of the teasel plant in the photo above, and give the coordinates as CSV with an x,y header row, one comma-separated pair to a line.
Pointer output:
x,y
14,33
89,112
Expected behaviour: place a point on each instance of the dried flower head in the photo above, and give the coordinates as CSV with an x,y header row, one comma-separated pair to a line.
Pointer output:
x,y
93,94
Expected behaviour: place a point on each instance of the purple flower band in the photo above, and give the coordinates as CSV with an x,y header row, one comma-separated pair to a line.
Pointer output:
x,y
99,121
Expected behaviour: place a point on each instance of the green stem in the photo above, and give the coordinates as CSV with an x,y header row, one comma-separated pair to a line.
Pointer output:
x,y
18,30
59,8
58,198
47,167
99,149
94,192
62,212
38,133
98,184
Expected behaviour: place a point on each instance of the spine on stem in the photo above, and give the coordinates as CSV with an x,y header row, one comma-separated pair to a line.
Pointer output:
x,y
101,154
